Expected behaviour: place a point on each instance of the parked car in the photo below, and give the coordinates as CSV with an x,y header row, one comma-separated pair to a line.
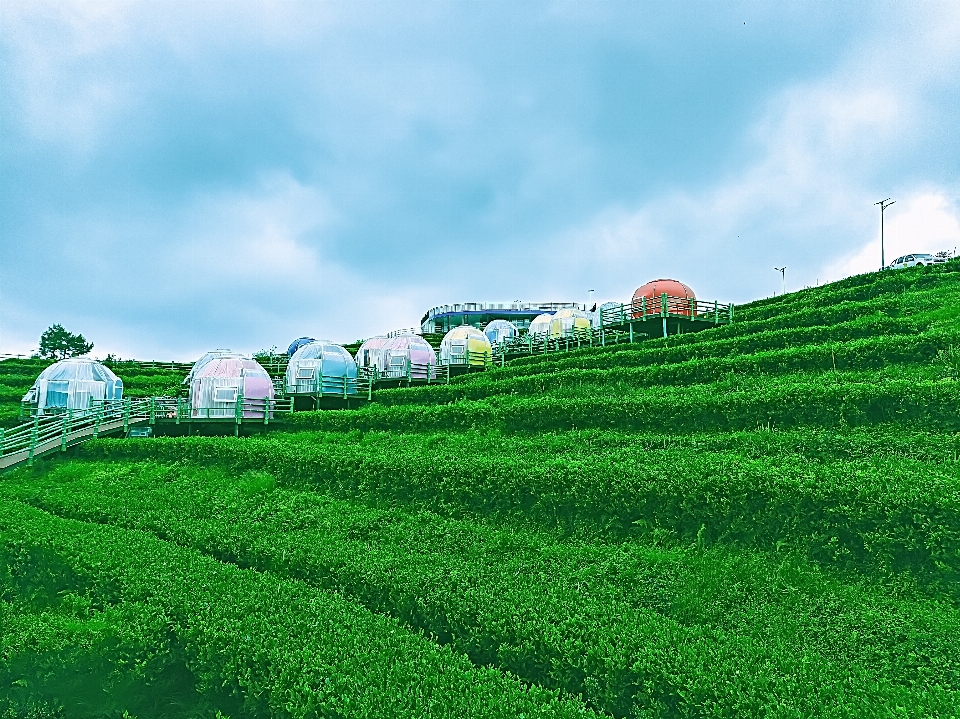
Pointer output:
x,y
918,259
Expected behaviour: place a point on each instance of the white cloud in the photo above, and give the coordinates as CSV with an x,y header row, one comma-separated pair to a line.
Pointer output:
x,y
807,200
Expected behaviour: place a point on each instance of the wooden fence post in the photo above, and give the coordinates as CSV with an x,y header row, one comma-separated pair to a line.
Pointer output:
x,y
66,430
33,438
238,411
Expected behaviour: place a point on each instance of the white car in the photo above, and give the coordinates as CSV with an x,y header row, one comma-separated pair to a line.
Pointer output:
x,y
915,260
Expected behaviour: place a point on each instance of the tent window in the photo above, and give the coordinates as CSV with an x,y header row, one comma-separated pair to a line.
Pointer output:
x,y
304,372
396,360
225,394
457,349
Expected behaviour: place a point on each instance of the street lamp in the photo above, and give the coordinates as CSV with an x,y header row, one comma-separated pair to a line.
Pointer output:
x,y
884,204
783,278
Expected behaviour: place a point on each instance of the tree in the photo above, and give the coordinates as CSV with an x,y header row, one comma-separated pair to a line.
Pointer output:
x,y
57,344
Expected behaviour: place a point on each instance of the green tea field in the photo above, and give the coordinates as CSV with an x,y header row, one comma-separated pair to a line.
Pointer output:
x,y
756,520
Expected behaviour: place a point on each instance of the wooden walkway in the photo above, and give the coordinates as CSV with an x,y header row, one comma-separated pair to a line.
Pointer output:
x,y
57,432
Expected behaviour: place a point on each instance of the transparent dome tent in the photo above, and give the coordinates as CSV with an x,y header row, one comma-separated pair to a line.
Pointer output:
x,y
72,384
219,382
541,324
465,346
321,367
208,357
500,331
407,357
568,322
368,356
563,323
297,344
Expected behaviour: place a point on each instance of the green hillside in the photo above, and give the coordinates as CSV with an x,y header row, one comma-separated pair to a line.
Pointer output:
x,y
758,520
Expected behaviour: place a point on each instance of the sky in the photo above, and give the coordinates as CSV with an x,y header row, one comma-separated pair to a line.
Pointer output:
x,y
177,177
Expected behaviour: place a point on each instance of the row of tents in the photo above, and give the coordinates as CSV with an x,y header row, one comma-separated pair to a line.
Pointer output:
x,y
316,367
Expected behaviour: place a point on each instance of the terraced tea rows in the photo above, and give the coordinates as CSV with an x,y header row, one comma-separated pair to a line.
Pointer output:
x,y
759,520
632,629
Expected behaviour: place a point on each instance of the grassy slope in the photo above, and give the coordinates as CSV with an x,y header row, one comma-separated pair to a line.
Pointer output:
x,y
761,519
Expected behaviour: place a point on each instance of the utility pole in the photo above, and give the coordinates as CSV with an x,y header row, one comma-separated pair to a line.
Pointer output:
x,y
783,278
884,204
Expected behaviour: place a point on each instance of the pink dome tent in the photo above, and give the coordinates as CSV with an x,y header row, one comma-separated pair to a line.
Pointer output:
x,y
407,355
217,385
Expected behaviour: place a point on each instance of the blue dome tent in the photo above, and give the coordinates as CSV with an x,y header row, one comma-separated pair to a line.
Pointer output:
x,y
321,367
297,344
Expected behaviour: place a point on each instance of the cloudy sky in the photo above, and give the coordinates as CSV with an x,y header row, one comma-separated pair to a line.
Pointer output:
x,y
179,177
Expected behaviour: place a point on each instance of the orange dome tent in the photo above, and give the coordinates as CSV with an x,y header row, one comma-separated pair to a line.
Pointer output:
x,y
647,299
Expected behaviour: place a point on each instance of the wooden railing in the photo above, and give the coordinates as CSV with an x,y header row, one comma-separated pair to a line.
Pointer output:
x,y
410,372
50,432
667,306
333,386
183,367
275,365
57,431
532,344
469,358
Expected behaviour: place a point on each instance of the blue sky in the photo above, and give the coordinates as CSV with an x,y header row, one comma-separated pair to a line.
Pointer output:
x,y
179,177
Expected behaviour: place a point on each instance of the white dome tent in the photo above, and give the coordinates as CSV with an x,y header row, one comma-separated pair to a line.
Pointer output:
x,y
368,356
321,367
73,384
541,324
564,323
